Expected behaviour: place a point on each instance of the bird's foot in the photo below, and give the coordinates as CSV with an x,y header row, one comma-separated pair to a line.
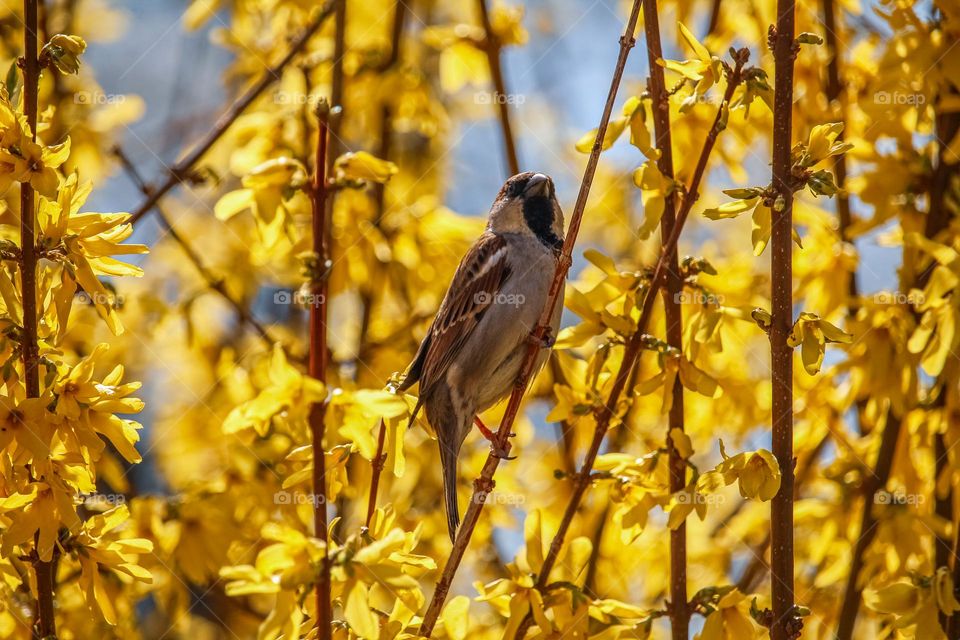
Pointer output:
x,y
485,430
546,341
500,452
496,450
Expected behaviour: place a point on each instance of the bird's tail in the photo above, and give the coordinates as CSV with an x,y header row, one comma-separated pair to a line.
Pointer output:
x,y
448,464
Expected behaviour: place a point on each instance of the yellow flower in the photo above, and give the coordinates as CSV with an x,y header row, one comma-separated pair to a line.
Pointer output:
x,y
85,242
90,407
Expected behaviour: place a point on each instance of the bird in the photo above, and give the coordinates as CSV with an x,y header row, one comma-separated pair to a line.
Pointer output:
x,y
471,356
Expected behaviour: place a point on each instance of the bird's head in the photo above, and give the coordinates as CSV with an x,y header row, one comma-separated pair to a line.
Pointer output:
x,y
527,204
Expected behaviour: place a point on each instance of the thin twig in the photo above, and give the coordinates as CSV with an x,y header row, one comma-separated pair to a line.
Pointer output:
x,y
214,282
633,348
678,606
783,626
181,170
491,45
45,623
319,281
484,484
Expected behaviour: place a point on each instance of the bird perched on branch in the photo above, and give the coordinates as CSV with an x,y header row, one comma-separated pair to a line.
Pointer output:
x,y
472,354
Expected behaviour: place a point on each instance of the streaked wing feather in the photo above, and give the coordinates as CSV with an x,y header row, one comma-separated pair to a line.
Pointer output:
x,y
474,288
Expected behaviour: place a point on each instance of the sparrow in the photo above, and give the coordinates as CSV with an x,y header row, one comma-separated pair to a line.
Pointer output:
x,y
472,354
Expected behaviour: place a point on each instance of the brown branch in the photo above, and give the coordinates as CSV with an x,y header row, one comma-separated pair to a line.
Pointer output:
x,y
484,484
836,101
632,352
180,170
45,623
868,526
317,368
678,605
491,45
214,282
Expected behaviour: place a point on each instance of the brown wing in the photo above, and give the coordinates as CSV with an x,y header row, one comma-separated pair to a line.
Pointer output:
x,y
475,286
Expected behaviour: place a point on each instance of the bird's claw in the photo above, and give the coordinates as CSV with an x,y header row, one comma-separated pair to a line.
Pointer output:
x,y
500,452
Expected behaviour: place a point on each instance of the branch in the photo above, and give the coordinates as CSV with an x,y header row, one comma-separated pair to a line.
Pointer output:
x,y
45,623
177,173
835,96
214,282
868,529
784,623
679,607
484,484
318,363
491,45
632,352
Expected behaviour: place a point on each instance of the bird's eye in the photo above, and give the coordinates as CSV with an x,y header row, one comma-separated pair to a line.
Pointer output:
x,y
517,187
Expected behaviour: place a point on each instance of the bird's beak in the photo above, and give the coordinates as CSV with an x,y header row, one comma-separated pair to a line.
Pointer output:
x,y
537,185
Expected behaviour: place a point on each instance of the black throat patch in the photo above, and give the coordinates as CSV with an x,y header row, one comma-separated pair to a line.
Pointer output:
x,y
538,214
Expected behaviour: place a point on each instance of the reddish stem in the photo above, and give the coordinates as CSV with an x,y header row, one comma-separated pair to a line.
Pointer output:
x,y
781,354
484,483
318,365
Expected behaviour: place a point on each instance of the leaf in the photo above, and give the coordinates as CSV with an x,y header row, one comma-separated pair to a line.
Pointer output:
x,y
731,209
